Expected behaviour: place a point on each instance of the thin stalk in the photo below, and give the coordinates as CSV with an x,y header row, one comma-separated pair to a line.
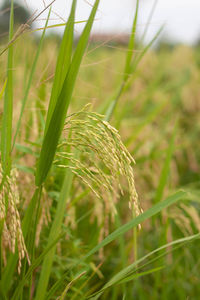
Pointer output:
x,y
58,116
149,21
127,67
6,133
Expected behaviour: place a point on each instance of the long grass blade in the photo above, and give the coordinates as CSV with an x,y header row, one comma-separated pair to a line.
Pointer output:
x,y
149,21
138,275
63,63
144,51
56,123
139,57
127,67
131,45
6,134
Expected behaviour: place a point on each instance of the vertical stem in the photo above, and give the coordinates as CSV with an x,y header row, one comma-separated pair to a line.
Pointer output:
x,y
6,133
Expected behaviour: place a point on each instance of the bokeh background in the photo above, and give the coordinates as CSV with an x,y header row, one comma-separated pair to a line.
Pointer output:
x,y
181,17
157,116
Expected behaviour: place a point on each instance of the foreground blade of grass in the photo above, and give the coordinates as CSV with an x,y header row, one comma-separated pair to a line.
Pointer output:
x,y
58,116
123,229
32,72
124,274
63,63
6,133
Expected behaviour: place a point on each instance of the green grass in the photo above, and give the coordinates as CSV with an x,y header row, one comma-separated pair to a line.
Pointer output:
x,y
85,251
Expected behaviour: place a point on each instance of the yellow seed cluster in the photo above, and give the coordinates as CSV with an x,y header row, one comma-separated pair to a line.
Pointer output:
x,y
12,235
102,162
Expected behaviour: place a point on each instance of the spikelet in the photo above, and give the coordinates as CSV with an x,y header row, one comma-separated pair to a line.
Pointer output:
x,y
101,163
12,235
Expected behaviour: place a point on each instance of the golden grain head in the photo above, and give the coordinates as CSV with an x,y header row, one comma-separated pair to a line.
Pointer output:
x,y
12,236
94,152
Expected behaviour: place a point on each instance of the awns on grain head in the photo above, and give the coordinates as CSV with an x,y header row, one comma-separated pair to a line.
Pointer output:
x,y
95,153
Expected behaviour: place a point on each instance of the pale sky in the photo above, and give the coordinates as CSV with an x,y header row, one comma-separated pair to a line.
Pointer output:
x,y
181,17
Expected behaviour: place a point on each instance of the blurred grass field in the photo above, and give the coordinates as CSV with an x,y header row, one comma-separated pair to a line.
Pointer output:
x,y
164,90
157,117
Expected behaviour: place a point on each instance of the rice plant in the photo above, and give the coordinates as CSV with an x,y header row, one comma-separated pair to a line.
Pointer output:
x,y
98,199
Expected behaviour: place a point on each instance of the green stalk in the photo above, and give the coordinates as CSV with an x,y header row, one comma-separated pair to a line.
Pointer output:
x,y
6,134
127,67
6,131
57,120
131,46
148,21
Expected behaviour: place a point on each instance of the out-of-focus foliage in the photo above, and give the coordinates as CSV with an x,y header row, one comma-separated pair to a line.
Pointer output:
x,y
22,14
158,119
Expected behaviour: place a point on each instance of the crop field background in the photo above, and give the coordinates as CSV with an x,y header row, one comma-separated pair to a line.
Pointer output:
x,y
79,219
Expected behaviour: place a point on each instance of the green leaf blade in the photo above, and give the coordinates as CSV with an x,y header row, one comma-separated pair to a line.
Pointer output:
x,y
6,134
58,116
